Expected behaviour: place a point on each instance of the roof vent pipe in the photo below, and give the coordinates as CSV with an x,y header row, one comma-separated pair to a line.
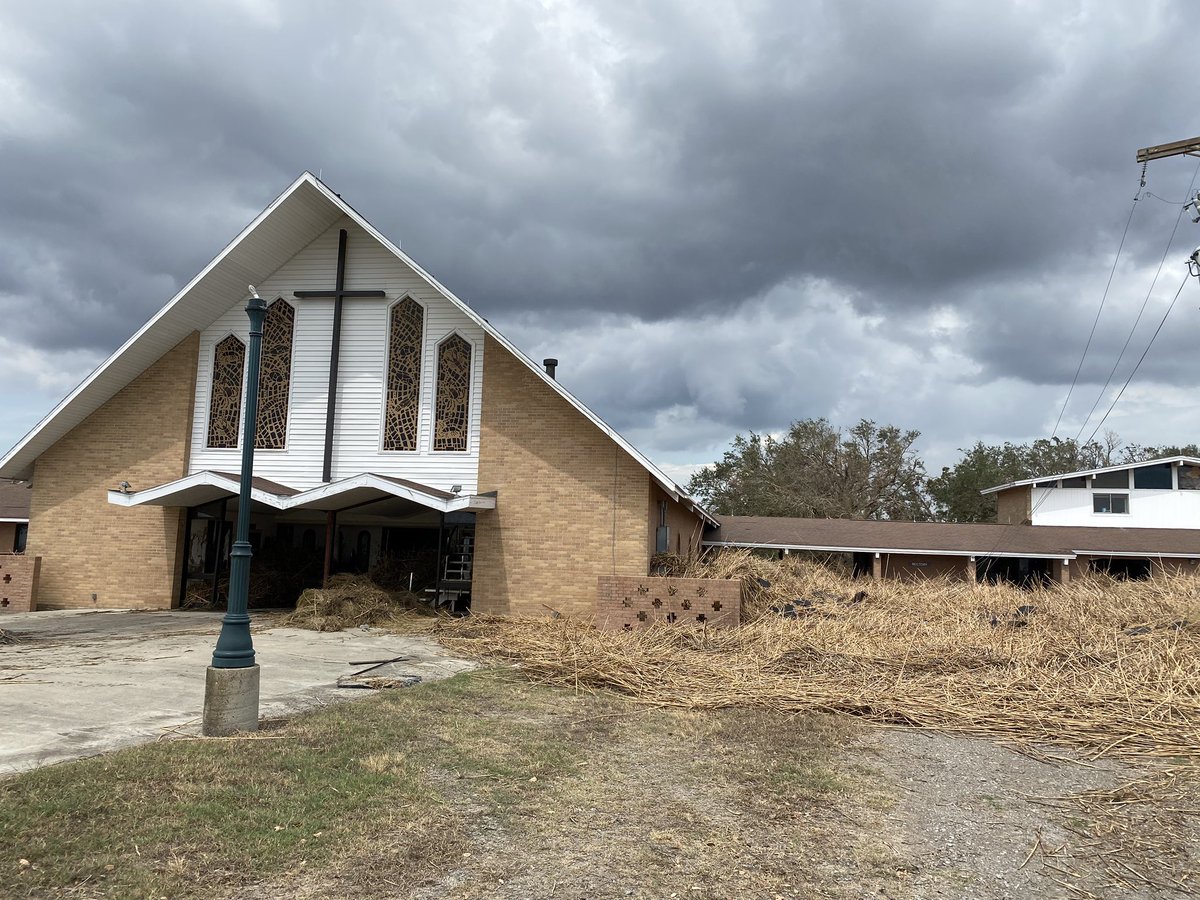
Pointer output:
x,y
551,365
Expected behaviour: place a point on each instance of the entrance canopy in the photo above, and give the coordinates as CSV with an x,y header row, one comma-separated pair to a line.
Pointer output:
x,y
347,493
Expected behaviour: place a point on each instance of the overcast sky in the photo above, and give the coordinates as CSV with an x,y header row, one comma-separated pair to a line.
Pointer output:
x,y
720,216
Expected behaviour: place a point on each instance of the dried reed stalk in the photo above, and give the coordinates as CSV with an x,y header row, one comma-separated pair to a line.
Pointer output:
x,y
1109,667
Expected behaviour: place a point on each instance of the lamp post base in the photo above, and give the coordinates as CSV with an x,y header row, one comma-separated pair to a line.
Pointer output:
x,y
230,701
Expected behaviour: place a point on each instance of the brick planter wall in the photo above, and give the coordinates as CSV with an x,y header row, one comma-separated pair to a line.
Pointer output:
x,y
627,602
18,582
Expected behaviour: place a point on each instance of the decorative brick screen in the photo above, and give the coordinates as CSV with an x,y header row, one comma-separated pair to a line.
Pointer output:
x,y
18,582
628,602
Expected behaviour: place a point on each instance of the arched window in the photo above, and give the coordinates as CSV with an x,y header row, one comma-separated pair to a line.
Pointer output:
x,y
403,404
275,376
453,394
225,398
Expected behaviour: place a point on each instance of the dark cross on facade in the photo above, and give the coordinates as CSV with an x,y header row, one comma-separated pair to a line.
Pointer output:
x,y
339,293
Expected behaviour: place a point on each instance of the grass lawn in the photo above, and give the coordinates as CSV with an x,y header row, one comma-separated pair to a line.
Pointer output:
x,y
481,785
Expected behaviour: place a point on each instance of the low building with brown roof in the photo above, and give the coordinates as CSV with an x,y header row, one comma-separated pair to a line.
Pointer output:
x,y
1021,553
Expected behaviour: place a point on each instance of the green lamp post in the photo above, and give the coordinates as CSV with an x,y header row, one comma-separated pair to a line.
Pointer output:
x,y
231,685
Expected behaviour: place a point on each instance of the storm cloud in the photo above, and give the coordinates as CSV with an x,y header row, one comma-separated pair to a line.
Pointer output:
x,y
721,217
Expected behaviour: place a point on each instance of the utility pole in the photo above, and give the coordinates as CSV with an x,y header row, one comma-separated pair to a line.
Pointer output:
x,y
1190,147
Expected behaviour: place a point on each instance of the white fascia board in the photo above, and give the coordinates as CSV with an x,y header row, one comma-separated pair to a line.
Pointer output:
x,y
1138,554
471,501
7,521
365,480
388,488
14,457
1190,460
200,479
665,482
821,548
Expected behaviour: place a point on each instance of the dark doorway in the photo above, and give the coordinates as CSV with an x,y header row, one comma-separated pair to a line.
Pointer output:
x,y
864,565
1021,571
1122,569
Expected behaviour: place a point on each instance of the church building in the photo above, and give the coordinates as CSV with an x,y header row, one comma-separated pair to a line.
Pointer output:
x,y
398,433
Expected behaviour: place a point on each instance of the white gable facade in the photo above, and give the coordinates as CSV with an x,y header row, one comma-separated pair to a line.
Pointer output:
x,y
362,373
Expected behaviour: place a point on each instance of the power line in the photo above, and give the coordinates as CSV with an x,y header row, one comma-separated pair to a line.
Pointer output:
x,y
1145,302
1161,323
1103,297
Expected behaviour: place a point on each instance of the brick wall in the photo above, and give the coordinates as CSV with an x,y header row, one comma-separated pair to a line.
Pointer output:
x,y
126,557
922,565
18,582
626,603
686,527
571,504
1013,506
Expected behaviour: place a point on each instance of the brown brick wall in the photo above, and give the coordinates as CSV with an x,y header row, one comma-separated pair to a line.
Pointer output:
x,y
686,527
919,565
570,506
19,582
1013,506
127,557
626,603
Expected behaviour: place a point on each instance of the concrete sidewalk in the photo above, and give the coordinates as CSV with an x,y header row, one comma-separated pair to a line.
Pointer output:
x,y
82,682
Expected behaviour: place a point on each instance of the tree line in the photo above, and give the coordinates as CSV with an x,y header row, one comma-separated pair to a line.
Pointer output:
x,y
872,471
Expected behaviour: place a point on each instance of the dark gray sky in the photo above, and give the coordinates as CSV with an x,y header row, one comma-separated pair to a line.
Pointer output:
x,y
720,216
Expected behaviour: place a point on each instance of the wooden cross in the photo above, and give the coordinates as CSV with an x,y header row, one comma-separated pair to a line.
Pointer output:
x,y
339,293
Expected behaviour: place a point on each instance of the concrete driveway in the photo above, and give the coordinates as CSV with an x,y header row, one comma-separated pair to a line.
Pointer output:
x,y
80,683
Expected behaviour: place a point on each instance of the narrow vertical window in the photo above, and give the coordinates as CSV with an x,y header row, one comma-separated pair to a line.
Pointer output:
x,y
275,376
404,376
453,394
225,398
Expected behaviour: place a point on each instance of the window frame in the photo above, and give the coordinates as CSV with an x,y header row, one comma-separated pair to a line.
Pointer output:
x,y
1112,495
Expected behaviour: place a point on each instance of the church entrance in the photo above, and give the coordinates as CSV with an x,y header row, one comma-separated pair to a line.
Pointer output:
x,y
424,557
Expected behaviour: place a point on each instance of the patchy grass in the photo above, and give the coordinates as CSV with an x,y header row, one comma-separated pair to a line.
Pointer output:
x,y
169,818
479,786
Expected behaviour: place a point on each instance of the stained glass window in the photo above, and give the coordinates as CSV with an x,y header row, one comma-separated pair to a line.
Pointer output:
x,y
225,399
404,376
453,394
275,376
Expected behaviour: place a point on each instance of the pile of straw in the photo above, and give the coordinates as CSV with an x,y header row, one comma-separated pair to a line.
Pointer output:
x,y
1110,667
349,601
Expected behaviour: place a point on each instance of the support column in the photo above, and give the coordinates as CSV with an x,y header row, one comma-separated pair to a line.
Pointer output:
x,y
1062,571
971,574
877,568
330,537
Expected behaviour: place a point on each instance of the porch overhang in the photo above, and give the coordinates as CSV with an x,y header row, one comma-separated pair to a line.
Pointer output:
x,y
358,490
369,487
201,488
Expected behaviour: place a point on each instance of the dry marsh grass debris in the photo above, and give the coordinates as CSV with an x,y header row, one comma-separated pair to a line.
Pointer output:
x,y
1137,835
349,601
1108,667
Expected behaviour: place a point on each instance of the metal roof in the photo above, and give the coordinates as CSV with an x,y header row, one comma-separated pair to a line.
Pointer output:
x,y
1189,460
296,217
952,538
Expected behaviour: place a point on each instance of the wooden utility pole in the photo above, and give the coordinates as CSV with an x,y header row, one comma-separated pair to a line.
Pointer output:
x,y
1190,147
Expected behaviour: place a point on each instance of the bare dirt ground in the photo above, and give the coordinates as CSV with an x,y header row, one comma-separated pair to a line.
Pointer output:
x,y
665,803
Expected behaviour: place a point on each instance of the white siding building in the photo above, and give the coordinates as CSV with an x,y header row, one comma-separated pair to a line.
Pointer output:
x,y
1159,493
